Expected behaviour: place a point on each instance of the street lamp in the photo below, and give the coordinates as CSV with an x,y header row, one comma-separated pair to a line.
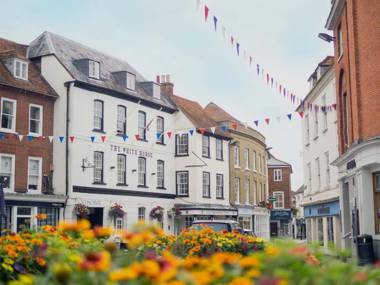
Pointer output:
x,y
326,37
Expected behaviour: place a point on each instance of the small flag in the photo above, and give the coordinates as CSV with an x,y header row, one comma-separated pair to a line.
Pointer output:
x,y
206,12
158,135
1,136
92,138
334,106
137,137
238,48
202,130
191,131
169,134
30,138
20,137
61,138
289,116
267,121
271,81
125,137
267,78
301,114
234,125
250,60
232,40
51,138
71,138
256,123
258,69
41,138
224,128
215,22
213,130
103,138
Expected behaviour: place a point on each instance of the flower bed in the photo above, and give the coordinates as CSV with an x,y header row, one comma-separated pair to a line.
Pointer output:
x,y
75,254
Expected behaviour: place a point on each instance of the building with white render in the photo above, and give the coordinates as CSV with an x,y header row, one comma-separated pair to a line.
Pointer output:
x,y
320,148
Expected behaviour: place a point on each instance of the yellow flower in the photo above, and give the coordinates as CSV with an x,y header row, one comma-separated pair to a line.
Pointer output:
x,y
253,273
249,261
96,261
272,250
125,274
241,281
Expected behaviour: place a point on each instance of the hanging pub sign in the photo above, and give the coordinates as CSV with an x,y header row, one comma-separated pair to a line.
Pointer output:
x,y
131,151
351,164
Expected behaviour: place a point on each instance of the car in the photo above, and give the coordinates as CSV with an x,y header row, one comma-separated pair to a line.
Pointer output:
x,y
217,225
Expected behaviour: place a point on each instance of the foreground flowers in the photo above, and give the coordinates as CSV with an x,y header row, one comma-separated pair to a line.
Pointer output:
x,y
75,254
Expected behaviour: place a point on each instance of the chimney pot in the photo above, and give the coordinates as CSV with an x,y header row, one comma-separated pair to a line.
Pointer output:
x,y
162,78
166,86
157,79
168,78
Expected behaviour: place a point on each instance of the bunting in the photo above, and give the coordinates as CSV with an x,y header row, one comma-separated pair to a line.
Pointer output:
x,y
206,12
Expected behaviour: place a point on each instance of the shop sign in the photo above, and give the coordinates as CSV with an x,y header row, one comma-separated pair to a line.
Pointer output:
x,y
131,151
324,210
280,215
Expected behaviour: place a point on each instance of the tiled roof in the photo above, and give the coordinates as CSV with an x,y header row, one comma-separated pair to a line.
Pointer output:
x,y
274,162
218,114
35,83
69,52
197,115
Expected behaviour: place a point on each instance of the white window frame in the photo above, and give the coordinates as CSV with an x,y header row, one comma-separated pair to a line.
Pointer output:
x,y
310,185
12,176
24,66
131,81
206,184
254,164
178,184
259,162
14,116
276,204
277,174
325,126
141,213
40,120
160,126
141,171
160,174
318,172
316,124
121,171
246,158
39,159
141,125
206,146
307,127
120,120
93,69
219,149
236,156
219,186
237,190
181,147
99,179
119,223
254,192
99,117
328,173
246,188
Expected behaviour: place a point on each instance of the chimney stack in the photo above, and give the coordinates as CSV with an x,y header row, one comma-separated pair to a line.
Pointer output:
x,y
166,86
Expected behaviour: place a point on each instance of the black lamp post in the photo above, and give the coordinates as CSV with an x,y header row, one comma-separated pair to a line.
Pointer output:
x,y
326,37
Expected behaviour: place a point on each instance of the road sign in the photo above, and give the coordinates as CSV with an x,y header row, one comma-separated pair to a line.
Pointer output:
x,y
272,199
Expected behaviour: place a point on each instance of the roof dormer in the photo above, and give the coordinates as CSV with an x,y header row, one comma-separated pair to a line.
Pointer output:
x,y
17,67
90,67
152,89
125,79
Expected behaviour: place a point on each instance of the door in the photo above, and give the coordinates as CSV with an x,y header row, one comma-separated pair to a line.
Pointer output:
x,y
96,217
23,218
274,229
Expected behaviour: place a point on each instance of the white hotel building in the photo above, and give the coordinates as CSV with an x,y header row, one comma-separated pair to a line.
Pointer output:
x,y
320,148
101,96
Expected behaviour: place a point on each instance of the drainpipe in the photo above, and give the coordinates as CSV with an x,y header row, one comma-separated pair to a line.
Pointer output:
x,y
67,85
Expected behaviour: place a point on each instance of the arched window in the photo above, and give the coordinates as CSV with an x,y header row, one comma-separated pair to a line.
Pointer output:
x,y
344,113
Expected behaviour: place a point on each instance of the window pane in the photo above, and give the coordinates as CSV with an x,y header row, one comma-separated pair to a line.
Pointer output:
x,y
142,171
121,119
160,129
7,114
142,125
160,173
121,169
98,166
98,115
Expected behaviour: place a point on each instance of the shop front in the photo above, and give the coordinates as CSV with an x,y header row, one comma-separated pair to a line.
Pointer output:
x,y
187,213
280,223
31,212
323,223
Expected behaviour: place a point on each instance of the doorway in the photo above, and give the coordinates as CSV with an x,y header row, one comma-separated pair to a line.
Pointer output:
x,y
274,229
96,217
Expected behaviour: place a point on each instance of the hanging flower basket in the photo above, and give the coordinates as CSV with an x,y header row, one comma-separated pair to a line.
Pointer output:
x,y
267,205
157,213
81,210
174,212
116,211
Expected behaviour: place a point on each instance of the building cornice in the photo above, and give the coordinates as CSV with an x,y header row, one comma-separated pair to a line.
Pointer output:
x,y
335,13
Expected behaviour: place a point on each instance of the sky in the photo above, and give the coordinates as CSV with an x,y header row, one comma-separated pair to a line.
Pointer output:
x,y
172,37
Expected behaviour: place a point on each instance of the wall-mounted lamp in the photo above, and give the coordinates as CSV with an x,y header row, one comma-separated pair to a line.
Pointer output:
x,y
112,167
134,170
326,37
153,173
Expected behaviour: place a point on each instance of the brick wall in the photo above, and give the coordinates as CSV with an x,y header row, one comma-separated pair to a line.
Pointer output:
x,y
283,186
22,150
360,62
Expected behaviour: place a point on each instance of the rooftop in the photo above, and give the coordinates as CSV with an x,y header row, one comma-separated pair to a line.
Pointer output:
x,y
274,162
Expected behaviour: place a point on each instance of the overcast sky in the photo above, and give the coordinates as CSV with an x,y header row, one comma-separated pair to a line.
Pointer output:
x,y
170,36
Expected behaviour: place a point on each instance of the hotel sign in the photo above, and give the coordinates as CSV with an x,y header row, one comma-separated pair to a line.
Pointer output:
x,y
131,151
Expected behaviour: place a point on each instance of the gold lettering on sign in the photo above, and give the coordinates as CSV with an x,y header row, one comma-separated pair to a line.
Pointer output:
x,y
131,151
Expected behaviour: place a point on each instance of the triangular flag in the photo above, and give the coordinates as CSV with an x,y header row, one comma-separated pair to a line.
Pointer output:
x,y
213,130
301,114
334,106
169,134
51,138
71,138
238,48
271,81
232,40
92,138
234,125
267,121
41,138
125,137
224,128
137,137
103,138
30,138
158,135
267,78
1,136
256,123
191,131
20,137
206,12
61,138
250,60
202,130
289,116
215,22
258,69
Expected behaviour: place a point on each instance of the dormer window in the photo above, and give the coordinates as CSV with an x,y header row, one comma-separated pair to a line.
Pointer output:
x,y
93,69
156,91
131,81
20,69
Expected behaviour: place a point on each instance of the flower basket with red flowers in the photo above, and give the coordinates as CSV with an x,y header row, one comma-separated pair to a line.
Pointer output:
x,y
81,210
116,211
157,213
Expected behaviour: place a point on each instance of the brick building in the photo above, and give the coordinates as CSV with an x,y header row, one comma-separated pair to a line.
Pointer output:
x,y
279,175
356,27
26,112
